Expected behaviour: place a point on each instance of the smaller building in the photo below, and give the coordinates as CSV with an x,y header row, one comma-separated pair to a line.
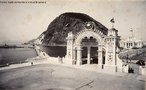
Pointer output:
x,y
131,42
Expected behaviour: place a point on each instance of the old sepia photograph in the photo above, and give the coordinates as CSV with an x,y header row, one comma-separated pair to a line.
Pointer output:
x,y
72,44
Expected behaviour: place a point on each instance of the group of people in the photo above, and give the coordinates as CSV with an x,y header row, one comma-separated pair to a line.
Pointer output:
x,y
130,70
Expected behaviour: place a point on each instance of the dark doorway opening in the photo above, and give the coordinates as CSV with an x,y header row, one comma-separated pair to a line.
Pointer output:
x,y
94,55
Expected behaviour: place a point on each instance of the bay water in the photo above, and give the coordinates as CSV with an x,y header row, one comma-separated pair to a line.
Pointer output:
x,y
15,55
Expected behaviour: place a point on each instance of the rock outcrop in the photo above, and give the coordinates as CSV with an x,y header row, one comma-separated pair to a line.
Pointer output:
x,y
58,29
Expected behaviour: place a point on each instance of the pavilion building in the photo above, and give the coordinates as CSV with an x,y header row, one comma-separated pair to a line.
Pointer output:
x,y
131,42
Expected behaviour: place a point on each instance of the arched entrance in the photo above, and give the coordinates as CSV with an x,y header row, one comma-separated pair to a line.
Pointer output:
x,y
88,48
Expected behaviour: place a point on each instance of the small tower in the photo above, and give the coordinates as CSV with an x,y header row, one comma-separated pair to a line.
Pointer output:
x,y
131,34
111,46
111,49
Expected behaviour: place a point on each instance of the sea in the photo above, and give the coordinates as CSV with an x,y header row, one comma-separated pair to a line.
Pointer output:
x,y
15,55
19,55
54,51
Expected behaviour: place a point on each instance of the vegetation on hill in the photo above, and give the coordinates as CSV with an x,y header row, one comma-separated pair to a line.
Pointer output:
x,y
58,29
133,54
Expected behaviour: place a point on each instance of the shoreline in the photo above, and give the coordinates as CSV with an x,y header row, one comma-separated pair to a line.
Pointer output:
x,y
43,58
54,61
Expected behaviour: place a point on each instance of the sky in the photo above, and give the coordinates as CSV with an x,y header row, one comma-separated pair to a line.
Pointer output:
x,y
21,22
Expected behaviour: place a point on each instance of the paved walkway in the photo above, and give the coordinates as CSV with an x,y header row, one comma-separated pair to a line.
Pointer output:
x,y
48,76
92,67
52,60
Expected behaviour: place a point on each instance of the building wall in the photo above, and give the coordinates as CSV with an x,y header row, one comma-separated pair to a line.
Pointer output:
x,y
131,44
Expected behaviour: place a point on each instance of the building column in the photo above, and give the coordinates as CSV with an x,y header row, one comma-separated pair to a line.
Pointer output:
x,y
79,55
74,57
100,56
88,54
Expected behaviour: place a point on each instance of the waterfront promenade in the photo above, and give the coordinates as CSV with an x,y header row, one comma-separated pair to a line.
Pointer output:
x,y
49,74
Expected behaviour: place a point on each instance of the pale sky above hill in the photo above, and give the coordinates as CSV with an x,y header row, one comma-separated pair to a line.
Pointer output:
x,y
23,22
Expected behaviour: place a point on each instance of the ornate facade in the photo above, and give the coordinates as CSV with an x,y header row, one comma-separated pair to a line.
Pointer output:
x,y
91,46
131,42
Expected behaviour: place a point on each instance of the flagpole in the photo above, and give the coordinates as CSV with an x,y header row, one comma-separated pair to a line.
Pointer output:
x,y
112,21
112,25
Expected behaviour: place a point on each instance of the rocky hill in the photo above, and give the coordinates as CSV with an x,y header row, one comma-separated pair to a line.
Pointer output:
x,y
58,29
